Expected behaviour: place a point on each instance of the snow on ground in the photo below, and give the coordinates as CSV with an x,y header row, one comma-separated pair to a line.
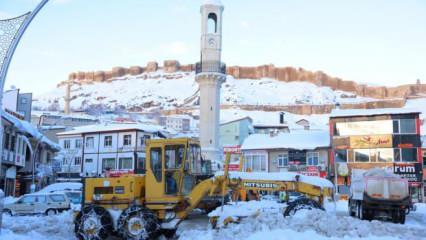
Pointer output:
x,y
56,227
315,224
168,89
268,223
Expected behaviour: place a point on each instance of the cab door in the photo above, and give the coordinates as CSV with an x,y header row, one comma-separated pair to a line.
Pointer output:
x,y
174,158
154,172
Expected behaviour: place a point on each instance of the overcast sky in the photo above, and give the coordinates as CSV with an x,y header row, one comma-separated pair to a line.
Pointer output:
x,y
369,41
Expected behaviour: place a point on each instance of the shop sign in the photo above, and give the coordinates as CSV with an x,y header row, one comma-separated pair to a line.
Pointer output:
x,y
311,171
370,141
410,171
234,167
232,149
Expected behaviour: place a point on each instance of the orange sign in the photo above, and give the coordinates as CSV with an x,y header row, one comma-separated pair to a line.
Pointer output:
x,y
370,141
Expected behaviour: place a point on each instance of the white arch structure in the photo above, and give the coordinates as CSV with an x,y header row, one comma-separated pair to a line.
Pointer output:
x,y
11,32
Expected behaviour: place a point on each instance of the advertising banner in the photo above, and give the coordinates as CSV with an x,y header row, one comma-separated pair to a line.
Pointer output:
x,y
410,171
384,141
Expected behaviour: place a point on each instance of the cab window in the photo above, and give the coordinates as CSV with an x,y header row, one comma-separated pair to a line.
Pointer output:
x,y
174,156
156,163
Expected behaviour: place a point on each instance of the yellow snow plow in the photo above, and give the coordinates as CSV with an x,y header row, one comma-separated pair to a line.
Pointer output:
x,y
176,180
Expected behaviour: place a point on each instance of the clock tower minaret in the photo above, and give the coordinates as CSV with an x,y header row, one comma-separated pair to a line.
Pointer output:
x,y
210,74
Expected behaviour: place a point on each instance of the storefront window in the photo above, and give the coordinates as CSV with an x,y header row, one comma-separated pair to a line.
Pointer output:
x,y
362,155
385,155
405,154
341,155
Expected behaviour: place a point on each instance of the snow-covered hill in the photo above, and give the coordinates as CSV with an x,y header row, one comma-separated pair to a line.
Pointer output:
x,y
171,90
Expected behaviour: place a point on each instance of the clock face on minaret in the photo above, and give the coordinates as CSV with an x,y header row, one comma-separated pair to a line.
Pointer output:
x,y
212,42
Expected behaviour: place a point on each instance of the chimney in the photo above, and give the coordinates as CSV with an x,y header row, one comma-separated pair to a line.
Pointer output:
x,y
337,106
282,117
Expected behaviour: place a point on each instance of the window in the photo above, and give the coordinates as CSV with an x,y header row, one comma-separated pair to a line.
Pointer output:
x,y
174,156
255,162
28,199
108,163
312,158
6,141
41,199
385,155
90,142
424,160
12,145
127,140
78,143
409,155
77,160
108,141
125,163
57,198
407,126
341,155
212,23
156,163
140,165
88,160
282,160
143,139
362,155
67,144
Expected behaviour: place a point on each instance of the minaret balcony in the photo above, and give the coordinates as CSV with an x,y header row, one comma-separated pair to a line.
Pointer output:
x,y
210,67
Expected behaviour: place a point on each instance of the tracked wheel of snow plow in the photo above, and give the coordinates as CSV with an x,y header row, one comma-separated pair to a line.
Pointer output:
x,y
299,204
93,223
138,223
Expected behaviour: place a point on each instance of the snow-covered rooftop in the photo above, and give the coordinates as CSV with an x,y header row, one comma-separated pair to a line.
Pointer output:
x,y
303,140
27,128
113,127
371,112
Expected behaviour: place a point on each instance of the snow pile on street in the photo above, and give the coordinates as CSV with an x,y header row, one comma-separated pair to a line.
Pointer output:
x,y
56,227
171,89
279,176
307,224
236,210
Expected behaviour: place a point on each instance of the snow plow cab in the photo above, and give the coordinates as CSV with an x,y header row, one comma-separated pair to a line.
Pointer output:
x,y
176,180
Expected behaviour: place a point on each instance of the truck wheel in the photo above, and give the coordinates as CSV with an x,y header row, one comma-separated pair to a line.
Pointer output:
x,y
351,212
93,223
299,204
361,213
138,223
402,216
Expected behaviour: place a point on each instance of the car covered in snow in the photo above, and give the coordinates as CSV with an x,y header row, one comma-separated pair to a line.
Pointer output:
x,y
38,203
71,189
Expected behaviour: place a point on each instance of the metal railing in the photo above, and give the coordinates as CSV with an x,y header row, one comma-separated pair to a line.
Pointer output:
x,y
210,67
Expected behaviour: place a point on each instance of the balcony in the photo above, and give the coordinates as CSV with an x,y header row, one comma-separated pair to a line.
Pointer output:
x,y
210,67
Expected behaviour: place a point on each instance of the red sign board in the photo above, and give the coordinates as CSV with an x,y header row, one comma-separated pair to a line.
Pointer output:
x,y
234,167
311,171
232,149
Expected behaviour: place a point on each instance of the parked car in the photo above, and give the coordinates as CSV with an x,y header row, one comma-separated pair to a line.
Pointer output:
x,y
38,203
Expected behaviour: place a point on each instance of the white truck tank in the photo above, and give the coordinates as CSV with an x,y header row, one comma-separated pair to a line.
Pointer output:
x,y
379,184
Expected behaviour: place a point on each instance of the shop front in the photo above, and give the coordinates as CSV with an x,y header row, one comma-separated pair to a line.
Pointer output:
x,y
390,141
